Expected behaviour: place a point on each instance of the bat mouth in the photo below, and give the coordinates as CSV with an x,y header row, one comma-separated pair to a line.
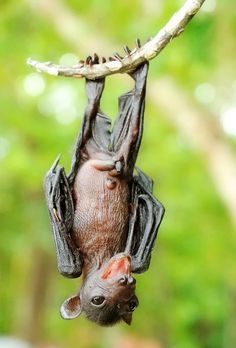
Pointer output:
x,y
118,267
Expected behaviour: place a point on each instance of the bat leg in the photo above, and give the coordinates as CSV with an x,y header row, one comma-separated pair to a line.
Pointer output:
x,y
146,218
61,211
92,113
128,128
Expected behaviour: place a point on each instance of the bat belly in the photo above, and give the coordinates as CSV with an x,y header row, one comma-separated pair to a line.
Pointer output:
x,y
101,211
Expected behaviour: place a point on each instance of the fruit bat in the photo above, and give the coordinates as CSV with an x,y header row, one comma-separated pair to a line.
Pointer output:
x,y
104,216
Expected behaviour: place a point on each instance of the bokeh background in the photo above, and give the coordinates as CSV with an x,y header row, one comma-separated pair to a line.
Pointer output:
x,y
188,296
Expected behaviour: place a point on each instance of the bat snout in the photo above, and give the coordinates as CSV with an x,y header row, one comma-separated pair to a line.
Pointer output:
x,y
126,280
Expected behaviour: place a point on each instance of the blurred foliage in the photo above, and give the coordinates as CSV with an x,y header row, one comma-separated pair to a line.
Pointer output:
x,y
187,298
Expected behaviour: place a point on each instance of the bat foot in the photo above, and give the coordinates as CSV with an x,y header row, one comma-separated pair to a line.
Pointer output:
x,y
56,215
140,74
94,90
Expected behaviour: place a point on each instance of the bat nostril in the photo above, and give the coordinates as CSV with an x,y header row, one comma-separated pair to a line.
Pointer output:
x,y
131,280
126,280
123,280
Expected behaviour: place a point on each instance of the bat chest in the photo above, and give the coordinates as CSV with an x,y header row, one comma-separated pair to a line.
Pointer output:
x,y
101,211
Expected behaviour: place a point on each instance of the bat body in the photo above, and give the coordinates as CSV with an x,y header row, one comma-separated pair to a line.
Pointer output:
x,y
104,218
102,206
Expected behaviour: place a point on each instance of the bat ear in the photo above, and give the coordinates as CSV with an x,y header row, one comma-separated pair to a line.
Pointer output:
x,y
127,317
71,308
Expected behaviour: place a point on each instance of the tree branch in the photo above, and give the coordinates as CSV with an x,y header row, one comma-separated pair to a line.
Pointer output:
x,y
92,69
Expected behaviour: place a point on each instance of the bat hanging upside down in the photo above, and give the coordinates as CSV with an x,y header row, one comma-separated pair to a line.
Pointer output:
x,y
104,218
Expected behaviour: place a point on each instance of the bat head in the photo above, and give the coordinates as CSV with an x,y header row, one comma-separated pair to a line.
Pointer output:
x,y
107,295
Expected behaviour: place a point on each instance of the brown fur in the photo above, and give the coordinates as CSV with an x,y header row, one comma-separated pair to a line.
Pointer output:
x,y
99,209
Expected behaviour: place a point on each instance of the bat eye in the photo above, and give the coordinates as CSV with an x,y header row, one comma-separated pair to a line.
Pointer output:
x,y
132,305
98,300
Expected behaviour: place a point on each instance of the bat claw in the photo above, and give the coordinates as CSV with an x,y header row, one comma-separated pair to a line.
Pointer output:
x,y
138,43
119,166
57,217
88,60
117,56
127,50
55,164
95,59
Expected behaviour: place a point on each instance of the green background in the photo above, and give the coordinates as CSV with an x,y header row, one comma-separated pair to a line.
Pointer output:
x,y
187,297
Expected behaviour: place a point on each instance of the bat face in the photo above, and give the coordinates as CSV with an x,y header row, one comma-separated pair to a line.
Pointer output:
x,y
107,295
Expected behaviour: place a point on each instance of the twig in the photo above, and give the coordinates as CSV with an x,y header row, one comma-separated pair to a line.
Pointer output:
x,y
117,64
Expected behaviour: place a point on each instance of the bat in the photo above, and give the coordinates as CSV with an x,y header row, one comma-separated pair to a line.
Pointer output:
x,y
104,216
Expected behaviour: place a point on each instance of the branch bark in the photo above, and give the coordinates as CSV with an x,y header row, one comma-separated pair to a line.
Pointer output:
x,y
92,69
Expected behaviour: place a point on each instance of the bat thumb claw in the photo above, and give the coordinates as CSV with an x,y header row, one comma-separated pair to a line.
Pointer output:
x,y
55,163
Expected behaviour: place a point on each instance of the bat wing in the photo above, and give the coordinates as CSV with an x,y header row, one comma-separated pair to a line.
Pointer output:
x,y
128,128
122,123
144,223
61,211
99,139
